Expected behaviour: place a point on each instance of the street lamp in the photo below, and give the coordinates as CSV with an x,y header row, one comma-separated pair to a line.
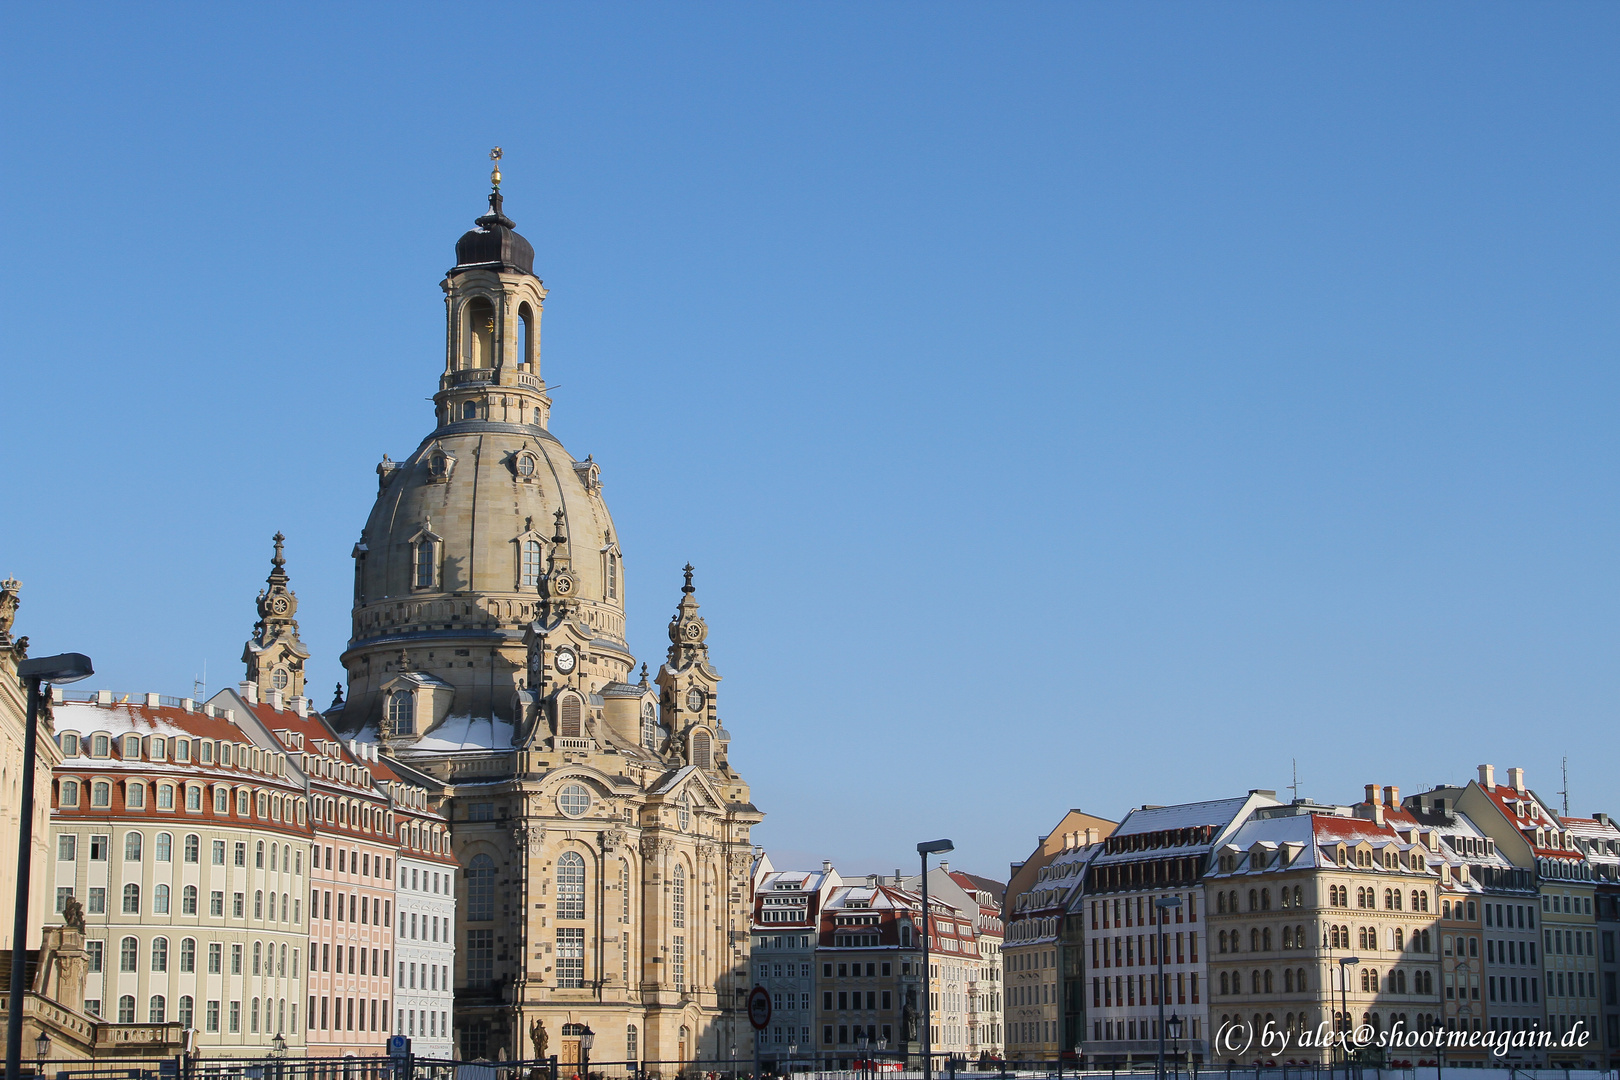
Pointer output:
x,y
64,668
1162,904
42,1050
793,1048
1174,1025
587,1039
860,1045
1345,964
931,847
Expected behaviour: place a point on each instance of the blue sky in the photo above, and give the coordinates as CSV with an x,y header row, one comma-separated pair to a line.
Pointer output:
x,y
1064,405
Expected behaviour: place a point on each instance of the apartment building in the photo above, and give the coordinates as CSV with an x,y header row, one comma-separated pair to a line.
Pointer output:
x,y
182,832
425,903
786,933
1039,962
1155,853
869,972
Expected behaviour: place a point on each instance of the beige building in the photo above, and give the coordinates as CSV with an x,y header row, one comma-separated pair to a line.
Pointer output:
x,y
13,722
603,838
1300,888
179,829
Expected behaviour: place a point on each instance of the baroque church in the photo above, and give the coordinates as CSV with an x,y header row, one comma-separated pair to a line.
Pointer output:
x,y
602,835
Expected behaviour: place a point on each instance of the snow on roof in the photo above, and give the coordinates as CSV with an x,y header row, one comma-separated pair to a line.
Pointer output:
x,y
467,733
1217,812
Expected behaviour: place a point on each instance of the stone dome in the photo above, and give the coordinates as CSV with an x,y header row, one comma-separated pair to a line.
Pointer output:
x,y
447,568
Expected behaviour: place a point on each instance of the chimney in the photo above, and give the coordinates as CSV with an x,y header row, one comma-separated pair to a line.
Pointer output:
x,y
275,700
1516,779
1372,795
1601,819
1378,813
249,692
945,866
826,866
301,706
1392,797
152,701
871,881
1487,776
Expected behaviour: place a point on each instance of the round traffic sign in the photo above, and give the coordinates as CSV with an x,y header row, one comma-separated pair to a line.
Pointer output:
x,y
759,1008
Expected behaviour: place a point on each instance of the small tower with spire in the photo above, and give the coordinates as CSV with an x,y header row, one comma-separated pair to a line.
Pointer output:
x,y
275,654
688,685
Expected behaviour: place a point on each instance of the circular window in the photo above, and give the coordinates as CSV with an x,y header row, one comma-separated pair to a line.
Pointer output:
x,y
279,679
694,699
525,465
574,800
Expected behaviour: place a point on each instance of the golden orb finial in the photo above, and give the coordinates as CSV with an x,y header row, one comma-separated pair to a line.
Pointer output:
x,y
495,173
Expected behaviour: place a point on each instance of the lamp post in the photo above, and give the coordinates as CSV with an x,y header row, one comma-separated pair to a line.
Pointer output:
x,y
1161,905
42,1050
1174,1024
1345,964
587,1039
278,1051
64,668
931,847
793,1048
860,1046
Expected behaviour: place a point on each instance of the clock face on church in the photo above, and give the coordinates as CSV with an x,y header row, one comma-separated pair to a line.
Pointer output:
x,y
566,660
279,605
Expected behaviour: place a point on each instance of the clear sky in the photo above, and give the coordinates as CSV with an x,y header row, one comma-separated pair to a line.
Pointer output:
x,y
1064,405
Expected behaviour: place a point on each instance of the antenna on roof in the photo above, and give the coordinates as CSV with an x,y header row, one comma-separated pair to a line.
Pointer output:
x,y
199,684
1294,787
1565,792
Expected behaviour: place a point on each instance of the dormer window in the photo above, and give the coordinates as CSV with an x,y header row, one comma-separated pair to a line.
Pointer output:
x,y
649,726
529,574
438,464
426,563
524,464
132,747
402,712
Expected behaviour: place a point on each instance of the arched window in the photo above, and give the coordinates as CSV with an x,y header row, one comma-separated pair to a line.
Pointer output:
x,y
481,889
126,1009
132,847
525,331
568,712
186,1011
402,712
188,955
570,886
531,563
160,899
469,410
479,350
631,1046
700,749
1288,988
1267,976
536,417
1254,900
128,953
156,1010
612,576
160,954
649,726
677,898
132,899
188,900
258,855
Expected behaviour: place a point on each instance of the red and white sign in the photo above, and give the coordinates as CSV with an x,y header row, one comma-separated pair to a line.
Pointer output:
x,y
759,1008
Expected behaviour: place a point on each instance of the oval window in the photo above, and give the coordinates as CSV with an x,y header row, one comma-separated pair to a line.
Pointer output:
x,y
525,465
574,800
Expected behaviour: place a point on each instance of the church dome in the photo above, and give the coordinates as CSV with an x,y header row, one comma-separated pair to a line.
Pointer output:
x,y
449,565
495,243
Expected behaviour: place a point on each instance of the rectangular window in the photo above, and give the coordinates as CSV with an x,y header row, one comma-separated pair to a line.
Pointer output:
x,y
678,962
94,951
480,958
238,905
236,1016
570,957
62,897
213,1007
236,959
480,811
67,847
239,852
98,849
98,901
216,953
